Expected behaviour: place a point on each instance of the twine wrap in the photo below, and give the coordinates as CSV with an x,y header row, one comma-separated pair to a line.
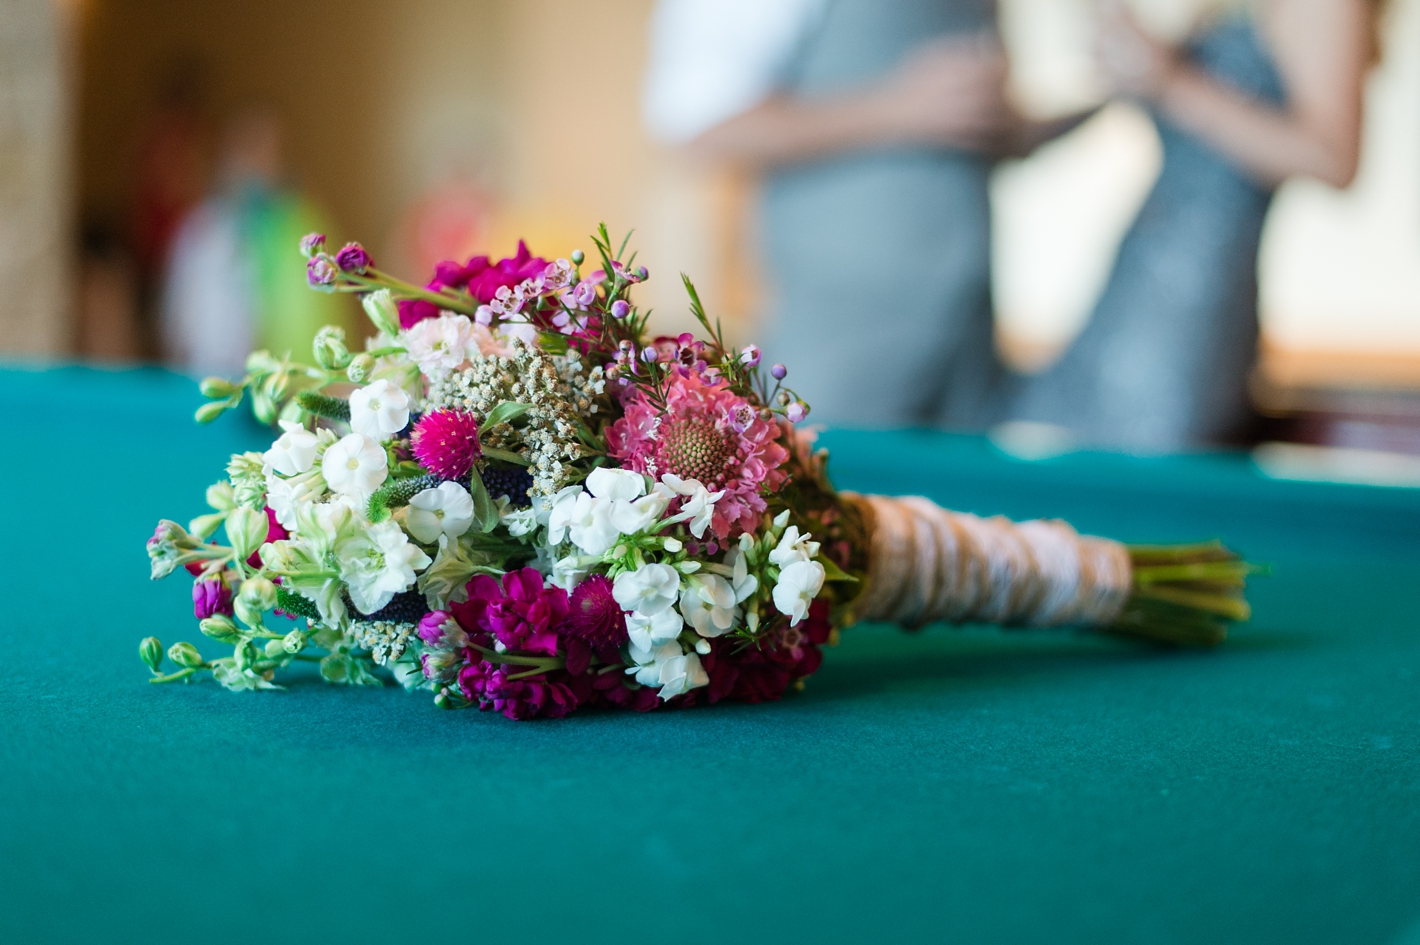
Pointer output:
x,y
927,564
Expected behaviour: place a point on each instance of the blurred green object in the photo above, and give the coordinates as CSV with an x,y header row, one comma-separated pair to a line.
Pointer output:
x,y
968,785
288,313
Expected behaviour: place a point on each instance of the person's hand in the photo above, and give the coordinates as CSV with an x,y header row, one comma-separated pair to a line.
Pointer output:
x,y
949,92
1131,62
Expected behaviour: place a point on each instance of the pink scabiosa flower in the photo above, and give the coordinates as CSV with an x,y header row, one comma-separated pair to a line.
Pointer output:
x,y
596,617
520,612
446,442
707,433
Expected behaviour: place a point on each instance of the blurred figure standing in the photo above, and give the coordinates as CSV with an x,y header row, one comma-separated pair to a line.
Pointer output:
x,y
871,121
1263,91
234,277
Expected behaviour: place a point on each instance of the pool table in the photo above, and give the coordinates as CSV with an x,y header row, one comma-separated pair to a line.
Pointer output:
x,y
957,784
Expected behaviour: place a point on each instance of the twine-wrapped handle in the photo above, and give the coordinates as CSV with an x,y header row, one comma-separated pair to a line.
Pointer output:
x,y
928,564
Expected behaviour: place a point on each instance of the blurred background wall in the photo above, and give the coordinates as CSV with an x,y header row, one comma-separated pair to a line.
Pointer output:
x,y
432,128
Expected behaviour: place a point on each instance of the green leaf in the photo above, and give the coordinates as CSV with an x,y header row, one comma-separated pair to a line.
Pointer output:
x,y
833,572
506,412
484,511
505,456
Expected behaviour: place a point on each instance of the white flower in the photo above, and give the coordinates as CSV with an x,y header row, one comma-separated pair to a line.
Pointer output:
x,y
355,465
519,522
743,583
607,483
666,666
632,517
798,585
379,410
285,496
708,603
438,345
650,631
586,521
378,562
699,503
649,590
445,510
793,547
294,451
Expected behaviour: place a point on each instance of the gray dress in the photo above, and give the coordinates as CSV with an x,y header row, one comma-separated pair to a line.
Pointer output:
x,y
1163,362
879,261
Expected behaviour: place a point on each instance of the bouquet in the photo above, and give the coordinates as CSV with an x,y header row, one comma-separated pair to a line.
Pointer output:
x,y
518,499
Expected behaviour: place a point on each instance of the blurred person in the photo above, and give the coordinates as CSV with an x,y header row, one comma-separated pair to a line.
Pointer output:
x,y
234,279
872,123
1260,92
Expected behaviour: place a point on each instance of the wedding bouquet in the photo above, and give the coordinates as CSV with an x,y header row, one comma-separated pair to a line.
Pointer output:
x,y
517,498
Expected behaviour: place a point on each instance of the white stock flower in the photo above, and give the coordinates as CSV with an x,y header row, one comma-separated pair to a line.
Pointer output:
x,y
649,590
378,562
438,345
650,631
793,547
798,585
698,506
294,452
355,465
607,483
708,604
379,410
444,510
585,520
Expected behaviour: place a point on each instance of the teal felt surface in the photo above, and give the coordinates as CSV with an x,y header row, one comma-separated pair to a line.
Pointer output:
x,y
955,785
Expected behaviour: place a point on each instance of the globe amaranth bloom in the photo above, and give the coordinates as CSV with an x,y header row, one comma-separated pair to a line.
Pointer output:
x,y
709,434
520,612
480,277
446,442
596,617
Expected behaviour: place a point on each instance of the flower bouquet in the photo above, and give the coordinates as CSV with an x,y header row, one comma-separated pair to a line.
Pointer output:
x,y
517,498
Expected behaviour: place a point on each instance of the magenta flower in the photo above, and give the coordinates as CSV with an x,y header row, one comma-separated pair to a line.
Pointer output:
x,y
596,617
518,699
353,258
521,613
480,277
312,243
320,273
431,627
211,597
705,433
446,442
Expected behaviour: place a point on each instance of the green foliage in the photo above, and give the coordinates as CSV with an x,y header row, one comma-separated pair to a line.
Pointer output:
x,y
324,405
396,493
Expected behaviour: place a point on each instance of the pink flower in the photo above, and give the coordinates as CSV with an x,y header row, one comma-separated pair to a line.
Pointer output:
x,y
518,699
481,277
521,612
596,617
446,442
710,434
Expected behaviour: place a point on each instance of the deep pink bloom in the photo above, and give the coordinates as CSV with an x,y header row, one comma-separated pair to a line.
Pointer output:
x,y
520,699
521,613
353,258
446,442
480,277
596,617
274,532
320,273
431,627
211,597
708,433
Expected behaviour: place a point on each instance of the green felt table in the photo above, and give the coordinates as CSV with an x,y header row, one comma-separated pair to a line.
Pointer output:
x,y
955,785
